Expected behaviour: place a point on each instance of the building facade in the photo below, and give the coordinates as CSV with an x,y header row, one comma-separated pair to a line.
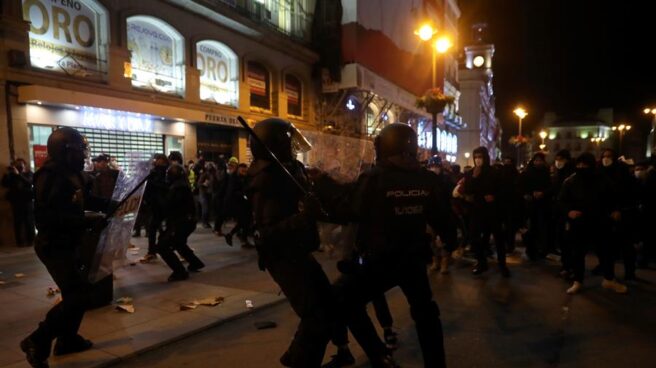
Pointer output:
x,y
577,134
150,76
477,101
384,67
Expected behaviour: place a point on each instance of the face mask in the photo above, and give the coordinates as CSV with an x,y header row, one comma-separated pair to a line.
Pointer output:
x,y
606,161
478,162
560,164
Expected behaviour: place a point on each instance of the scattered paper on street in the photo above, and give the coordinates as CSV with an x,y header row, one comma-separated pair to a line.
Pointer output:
x,y
211,301
249,304
19,275
52,291
188,306
125,308
2,282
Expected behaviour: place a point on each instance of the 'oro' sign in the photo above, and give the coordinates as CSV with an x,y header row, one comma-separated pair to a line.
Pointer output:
x,y
68,36
219,73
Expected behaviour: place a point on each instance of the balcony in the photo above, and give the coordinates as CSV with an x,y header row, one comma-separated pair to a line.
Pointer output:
x,y
293,19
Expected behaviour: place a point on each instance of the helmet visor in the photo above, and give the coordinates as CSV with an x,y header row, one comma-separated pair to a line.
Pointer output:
x,y
300,144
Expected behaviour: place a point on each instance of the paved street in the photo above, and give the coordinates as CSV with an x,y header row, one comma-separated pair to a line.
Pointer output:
x,y
527,321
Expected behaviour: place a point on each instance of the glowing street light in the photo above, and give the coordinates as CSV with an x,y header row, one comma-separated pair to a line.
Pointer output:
x,y
443,44
521,114
426,32
467,155
621,128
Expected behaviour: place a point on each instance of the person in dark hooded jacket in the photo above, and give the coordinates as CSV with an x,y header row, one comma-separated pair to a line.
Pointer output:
x,y
535,183
588,201
625,188
481,189
564,168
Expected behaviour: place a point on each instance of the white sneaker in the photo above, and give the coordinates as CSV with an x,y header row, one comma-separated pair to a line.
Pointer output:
x,y
615,286
576,286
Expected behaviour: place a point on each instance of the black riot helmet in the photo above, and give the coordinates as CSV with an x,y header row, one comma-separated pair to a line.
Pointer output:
x,y
175,172
68,148
281,137
396,140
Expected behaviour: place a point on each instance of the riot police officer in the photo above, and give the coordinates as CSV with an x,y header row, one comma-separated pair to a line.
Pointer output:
x,y
392,203
286,235
61,199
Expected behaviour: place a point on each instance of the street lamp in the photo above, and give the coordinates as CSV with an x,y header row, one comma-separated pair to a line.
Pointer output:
x,y
442,44
467,155
621,129
521,114
651,140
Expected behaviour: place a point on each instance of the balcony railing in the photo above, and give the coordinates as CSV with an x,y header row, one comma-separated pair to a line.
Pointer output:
x,y
282,16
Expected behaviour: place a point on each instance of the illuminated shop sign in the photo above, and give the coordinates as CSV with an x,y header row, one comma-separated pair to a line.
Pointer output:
x,y
156,55
67,36
116,120
219,73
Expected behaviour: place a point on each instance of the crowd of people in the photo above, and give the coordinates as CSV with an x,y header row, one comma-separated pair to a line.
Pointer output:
x,y
567,208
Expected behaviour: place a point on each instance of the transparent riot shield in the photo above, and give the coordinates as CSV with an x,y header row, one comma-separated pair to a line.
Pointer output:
x,y
344,159
115,238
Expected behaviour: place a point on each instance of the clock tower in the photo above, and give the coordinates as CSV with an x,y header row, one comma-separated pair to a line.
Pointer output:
x,y
477,106
478,55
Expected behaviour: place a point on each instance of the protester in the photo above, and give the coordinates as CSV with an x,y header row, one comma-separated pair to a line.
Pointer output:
x,y
237,203
534,185
180,217
18,181
155,197
481,189
591,206
104,177
563,168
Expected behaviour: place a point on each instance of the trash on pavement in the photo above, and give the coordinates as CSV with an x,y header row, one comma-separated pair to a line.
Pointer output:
x,y
52,291
262,325
188,306
124,300
125,308
249,304
211,301
19,275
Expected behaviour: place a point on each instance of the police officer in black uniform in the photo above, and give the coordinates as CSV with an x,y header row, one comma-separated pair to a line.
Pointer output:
x,y
180,216
392,203
61,199
286,236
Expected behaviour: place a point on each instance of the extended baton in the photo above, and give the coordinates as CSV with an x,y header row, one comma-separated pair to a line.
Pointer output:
x,y
251,132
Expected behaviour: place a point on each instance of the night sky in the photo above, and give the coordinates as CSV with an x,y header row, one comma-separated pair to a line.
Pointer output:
x,y
569,56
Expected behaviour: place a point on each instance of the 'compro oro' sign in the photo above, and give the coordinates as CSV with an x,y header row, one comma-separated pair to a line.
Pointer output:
x,y
219,73
67,36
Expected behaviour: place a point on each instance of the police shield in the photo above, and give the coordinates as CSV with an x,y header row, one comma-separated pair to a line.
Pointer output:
x,y
113,240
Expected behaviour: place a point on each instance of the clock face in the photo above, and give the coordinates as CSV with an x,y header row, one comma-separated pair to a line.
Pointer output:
x,y
479,61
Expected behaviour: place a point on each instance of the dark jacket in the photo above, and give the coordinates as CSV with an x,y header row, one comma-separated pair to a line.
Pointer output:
x,y
559,177
155,193
392,203
592,194
282,230
623,184
61,197
234,201
104,183
535,179
179,208
19,187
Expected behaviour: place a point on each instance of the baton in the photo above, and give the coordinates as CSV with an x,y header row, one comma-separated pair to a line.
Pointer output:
x,y
270,153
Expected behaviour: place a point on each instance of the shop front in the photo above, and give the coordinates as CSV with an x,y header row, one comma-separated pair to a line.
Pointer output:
x,y
120,134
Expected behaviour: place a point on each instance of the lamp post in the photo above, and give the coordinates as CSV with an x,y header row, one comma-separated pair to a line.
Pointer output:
x,y
651,141
521,113
543,135
597,141
467,155
438,44
621,128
